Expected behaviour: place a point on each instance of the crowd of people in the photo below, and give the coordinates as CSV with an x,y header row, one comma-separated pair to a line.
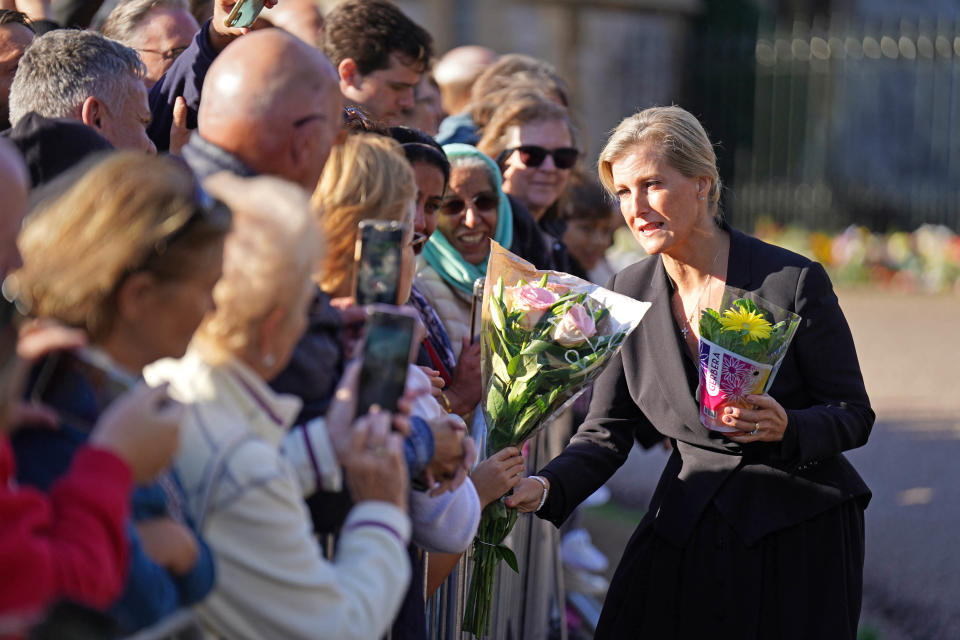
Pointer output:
x,y
181,339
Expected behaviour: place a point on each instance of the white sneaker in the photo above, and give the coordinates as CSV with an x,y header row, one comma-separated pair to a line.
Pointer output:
x,y
590,584
577,552
599,497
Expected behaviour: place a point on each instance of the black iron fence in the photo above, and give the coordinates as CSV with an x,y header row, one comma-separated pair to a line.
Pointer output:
x,y
847,123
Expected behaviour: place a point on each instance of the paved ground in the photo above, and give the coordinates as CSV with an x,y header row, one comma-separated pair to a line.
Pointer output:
x,y
908,346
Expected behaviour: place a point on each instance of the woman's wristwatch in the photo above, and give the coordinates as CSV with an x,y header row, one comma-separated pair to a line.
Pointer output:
x,y
543,483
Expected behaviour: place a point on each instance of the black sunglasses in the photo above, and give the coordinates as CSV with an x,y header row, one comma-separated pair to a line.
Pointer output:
x,y
533,155
483,201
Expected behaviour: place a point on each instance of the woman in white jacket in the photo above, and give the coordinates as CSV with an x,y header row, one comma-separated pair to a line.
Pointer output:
x,y
244,492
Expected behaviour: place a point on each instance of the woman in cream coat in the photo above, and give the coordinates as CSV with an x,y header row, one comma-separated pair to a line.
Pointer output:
x,y
243,476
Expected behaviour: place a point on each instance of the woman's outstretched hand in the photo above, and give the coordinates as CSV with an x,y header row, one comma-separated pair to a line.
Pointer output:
x,y
526,495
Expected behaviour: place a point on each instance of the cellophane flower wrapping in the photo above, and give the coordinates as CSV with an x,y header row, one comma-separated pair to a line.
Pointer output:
x,y
545,337
741,347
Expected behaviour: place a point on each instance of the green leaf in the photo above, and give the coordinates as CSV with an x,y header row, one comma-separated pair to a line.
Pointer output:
x,y
500,368
535,347
496,403
497,510
496,314
509,556
710,325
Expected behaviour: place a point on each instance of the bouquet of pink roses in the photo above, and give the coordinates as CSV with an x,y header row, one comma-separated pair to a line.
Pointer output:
x,y
545,336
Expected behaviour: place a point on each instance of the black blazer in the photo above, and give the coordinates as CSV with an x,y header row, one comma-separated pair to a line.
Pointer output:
x,y
644,394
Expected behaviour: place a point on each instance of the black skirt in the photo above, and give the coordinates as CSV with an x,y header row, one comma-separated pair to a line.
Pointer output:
x,y
799,583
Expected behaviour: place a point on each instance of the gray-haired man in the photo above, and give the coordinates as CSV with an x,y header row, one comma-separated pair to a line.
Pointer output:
x,y
84,76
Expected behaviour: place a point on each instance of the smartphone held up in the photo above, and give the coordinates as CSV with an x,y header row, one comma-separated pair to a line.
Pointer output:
x,y
379,261
389,346
244,14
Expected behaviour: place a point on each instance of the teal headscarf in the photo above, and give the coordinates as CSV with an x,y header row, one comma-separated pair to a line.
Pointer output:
x,y
441,255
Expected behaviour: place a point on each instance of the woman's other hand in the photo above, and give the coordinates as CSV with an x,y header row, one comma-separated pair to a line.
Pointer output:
x,y
499,473
464,390
168,543
527,495
766,423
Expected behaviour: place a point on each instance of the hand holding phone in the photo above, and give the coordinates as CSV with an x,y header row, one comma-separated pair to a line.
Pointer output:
x,y
79,385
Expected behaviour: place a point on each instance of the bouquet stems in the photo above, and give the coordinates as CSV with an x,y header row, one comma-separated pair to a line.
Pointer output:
x,y
488,549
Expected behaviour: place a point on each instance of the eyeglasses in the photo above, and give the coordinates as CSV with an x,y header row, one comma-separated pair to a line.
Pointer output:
x,y
533,155
418,241
169,54
483,201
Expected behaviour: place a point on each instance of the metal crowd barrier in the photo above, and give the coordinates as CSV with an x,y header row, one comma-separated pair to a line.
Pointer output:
x,y
530,605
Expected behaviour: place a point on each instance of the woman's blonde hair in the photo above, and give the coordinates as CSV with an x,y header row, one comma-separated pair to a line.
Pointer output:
x,y
676,134
367,177
127,212
268,259
520,108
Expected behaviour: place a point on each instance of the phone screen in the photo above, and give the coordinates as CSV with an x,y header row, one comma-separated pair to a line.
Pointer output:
x,y
386,356
378,262
79,385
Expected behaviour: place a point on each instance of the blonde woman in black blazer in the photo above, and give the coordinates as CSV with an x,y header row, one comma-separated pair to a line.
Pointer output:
x,y
754,536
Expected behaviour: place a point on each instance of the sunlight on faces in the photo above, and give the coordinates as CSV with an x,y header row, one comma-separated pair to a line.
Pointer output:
x,y
161,35
429,197
536,187
470,230
125,125
386,93
658,203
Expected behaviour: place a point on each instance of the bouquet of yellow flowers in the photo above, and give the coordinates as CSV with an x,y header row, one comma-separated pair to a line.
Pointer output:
x,y
741,349
545,336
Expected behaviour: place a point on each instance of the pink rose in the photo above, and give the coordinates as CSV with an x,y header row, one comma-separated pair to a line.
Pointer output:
x,y
534,301
574,327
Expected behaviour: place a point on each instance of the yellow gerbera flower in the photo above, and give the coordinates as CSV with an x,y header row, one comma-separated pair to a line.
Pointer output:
x,y
737,319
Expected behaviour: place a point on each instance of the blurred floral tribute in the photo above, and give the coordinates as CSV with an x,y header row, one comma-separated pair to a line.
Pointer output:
x,y
926,260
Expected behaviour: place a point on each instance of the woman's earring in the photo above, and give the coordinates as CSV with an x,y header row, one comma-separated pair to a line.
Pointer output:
x,y
269,360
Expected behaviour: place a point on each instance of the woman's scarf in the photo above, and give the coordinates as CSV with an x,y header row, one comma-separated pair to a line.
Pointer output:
x,y
441,255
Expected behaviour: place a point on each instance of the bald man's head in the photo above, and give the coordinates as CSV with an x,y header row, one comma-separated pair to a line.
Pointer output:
x,y
274,102
457,71
14,183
